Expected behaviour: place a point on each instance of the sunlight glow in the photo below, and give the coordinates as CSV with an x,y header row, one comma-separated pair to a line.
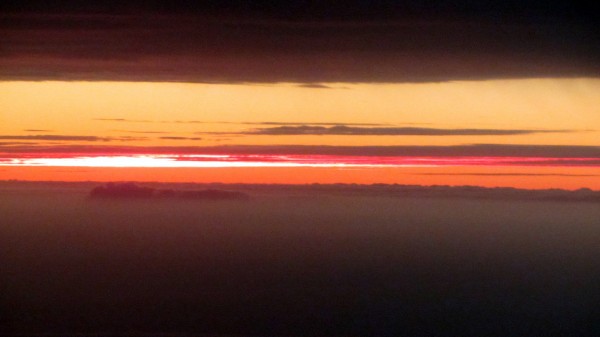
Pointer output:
x,y
224,161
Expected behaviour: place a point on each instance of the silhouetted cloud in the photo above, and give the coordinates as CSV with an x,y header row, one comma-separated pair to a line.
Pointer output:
x,y
219,191
38,130
379,42
293,130
471,192
131,190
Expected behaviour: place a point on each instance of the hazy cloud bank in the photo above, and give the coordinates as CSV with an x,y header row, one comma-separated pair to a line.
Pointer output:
x,y
131,190
219,191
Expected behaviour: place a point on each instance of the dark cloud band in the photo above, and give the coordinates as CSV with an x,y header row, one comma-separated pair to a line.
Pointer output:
x,y
344,130
258,49
477,150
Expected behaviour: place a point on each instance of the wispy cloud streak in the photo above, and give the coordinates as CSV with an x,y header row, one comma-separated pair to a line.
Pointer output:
x,y
345,130
68,138
180,138
126,120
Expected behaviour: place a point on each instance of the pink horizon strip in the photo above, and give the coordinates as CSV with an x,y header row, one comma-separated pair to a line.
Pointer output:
x,y
271,160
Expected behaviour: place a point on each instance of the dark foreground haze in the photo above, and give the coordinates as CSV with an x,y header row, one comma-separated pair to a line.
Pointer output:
x,y
286,261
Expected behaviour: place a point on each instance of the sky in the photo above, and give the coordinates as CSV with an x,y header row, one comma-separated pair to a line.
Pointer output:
x,y
451,93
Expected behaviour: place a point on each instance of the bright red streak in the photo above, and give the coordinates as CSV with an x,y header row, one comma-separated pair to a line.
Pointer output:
x,y
270,160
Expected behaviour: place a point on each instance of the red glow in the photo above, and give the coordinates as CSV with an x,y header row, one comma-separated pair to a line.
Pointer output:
x,y
270,160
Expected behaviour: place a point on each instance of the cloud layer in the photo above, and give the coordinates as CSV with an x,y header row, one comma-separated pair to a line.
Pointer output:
x,y
131,190
68,138
476,150
302,44
296,130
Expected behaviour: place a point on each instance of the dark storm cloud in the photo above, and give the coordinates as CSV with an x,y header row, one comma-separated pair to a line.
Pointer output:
x,y
312,44
296,130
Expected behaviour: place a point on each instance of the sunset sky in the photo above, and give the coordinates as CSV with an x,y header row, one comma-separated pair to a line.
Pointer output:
x,y
435,95
299,168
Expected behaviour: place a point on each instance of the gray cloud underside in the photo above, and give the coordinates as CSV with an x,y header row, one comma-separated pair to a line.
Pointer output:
x,y
497,150
345,130
199,49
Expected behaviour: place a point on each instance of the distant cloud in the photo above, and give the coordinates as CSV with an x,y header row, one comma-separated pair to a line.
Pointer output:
x,y
141,132
57,137
131,190
510,174
213,191
293,130
315,86
472,192
69,138
37,130
125,120
180,138
304,124
13,144
475,150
